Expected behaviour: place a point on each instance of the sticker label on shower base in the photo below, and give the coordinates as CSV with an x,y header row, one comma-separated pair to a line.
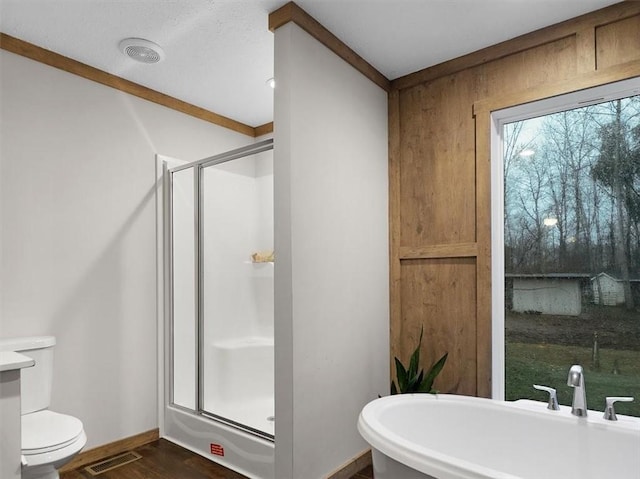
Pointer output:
x,y
217,449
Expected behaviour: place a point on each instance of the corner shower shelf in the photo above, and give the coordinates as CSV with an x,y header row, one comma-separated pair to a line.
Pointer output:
x,y
266,256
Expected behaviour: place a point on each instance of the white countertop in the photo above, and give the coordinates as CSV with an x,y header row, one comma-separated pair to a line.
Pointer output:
x,y
10,360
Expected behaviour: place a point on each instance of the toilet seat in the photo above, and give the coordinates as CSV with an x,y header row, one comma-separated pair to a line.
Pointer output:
x,y
47,431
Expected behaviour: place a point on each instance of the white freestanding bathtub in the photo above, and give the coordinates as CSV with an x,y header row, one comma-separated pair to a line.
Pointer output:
x,y
418,436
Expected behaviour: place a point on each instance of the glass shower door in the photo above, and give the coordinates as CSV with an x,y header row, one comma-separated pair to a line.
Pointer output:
x,y
237,291
221,288
183,267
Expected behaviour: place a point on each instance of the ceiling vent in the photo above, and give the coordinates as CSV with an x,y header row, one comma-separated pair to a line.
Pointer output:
x,y
141,50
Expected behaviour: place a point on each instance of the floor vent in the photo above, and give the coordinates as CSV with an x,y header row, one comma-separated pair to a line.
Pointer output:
x,y
112,463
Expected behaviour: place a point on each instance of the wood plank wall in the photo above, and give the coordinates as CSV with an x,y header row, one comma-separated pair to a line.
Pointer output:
x,y
439,146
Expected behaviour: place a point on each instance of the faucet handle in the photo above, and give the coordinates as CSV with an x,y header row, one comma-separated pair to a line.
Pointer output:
x,y
609,411
553,397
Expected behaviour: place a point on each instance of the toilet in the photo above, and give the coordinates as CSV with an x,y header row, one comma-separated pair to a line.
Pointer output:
x,y
49,439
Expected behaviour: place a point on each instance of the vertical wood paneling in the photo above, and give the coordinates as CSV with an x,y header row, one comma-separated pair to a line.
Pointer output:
x,y
586,50
618,42
395,300
483,260
437,152
440,166
551,62
411,158
440,295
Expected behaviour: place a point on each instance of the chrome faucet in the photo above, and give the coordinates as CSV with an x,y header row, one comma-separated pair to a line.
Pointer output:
x,y
609,411
553,397
576,381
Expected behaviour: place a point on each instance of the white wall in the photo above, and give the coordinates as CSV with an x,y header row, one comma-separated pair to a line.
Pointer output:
x,y
331,210
77,182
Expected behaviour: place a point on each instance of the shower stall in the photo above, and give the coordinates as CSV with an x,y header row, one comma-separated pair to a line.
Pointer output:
x,y
219,308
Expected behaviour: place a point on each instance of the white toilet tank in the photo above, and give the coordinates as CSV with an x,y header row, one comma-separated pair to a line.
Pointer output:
x,y
35,382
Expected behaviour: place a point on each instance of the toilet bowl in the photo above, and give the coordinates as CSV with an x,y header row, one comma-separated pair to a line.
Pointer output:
x,y
49,439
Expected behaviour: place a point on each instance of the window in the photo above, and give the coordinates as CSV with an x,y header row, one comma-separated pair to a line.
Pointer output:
x,y
567,246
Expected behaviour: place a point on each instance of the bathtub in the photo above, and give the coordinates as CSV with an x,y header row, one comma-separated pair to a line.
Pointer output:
x,y
418,436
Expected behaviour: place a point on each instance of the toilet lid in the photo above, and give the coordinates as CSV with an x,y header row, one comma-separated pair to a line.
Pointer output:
x,y
48,430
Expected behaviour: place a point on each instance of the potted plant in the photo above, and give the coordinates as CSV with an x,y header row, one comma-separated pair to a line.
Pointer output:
x,y
413,381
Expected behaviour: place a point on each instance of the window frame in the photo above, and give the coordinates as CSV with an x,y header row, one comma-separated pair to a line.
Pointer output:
x,y
499,118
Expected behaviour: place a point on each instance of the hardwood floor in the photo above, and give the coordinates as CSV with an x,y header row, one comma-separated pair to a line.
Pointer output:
x,y
366,473
162,459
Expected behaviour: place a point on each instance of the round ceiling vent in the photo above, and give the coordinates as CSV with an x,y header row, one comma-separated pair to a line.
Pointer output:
x,y
141,50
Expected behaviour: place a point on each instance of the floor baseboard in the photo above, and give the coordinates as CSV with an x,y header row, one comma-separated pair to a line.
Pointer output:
x,y
111,449
352,467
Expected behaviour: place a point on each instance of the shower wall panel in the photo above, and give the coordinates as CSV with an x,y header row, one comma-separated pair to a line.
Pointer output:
x,y
237,223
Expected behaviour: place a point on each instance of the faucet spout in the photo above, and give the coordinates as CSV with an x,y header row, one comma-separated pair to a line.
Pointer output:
x,y
576,381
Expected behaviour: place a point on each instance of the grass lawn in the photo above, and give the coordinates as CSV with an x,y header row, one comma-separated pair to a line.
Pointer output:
x,y
548,365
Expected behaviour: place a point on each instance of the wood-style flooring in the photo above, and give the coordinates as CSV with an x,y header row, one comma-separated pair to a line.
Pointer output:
x,y
164,460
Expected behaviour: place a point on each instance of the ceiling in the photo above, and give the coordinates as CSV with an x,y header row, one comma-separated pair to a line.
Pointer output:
x,y
219,54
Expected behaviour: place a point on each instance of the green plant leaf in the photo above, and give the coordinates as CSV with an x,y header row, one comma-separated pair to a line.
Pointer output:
x,y
413,364
412,380
402,375
424,388
433,373
411,386
415,357
417,381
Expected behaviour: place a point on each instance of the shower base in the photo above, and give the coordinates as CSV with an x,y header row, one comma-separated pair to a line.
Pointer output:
x,y
240,451
257,413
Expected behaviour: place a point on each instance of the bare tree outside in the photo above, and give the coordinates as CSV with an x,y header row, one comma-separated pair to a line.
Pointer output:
x,y
572,246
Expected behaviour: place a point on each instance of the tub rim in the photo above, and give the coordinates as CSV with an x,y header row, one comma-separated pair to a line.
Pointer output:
x,y
433,462
420,458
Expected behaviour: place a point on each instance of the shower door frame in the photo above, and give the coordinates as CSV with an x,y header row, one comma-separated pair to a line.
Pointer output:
x,y
198,166
175,419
